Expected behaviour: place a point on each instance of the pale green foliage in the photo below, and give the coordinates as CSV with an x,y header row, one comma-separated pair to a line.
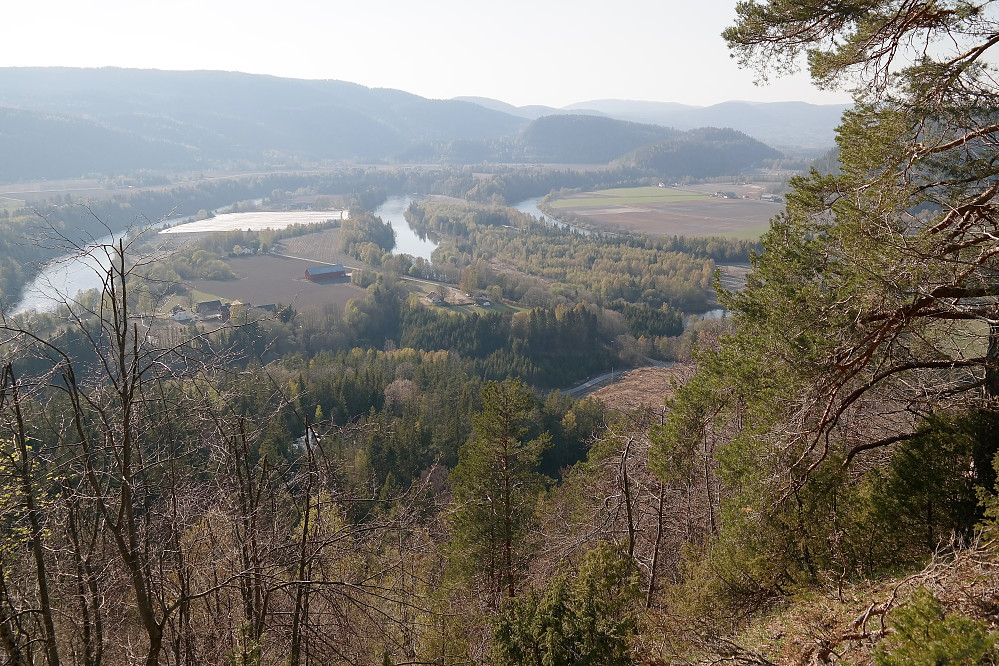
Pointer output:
x,y
13,503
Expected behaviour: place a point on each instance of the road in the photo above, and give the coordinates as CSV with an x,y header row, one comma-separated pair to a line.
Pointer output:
x,y
608,378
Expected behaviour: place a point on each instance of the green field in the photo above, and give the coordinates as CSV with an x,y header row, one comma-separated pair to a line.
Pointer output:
x,y
751,233
628,196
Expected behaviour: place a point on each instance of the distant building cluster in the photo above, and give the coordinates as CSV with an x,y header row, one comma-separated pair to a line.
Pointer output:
x,y
735,195
213,310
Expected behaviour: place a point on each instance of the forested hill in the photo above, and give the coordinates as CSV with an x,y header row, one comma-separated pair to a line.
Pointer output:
x,y
784,125
66,123
587,139
217,118
700,153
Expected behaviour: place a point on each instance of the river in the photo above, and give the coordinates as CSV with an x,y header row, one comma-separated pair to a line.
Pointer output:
x,y
530,207
407,241
62,279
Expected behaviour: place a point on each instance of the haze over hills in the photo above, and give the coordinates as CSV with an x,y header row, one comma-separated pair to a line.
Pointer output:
x,y
65,122
787,126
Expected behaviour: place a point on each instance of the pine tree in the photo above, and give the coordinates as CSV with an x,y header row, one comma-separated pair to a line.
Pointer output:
x,y
496,486
874,307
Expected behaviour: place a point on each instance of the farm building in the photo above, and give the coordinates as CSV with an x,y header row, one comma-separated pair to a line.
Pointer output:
x,y
325,272
208,308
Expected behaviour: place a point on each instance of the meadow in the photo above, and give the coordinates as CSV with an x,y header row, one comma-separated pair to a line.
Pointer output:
x,y
624,196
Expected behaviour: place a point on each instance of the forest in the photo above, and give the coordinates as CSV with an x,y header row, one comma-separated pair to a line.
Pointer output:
x,y
287,488
393,483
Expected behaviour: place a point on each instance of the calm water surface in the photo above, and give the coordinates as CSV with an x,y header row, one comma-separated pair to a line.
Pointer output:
x,y
407,241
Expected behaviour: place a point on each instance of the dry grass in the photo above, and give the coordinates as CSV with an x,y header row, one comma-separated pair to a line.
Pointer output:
x,y
646,387
322,247
846,622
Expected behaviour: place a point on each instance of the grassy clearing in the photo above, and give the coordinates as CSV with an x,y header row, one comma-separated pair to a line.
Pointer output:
x,y
6,203
463,306
628,196
752,233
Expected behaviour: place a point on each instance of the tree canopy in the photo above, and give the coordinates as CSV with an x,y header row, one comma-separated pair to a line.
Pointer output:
x,y
869,327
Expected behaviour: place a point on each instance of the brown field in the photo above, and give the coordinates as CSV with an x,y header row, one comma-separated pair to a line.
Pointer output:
x,y
270,279
733,276
738,218
322,247
642,386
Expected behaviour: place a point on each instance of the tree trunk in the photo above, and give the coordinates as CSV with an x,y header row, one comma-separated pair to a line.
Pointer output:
x,y
988,431
27,484
658,545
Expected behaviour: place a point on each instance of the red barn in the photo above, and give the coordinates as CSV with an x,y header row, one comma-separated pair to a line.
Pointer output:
x,y
316,273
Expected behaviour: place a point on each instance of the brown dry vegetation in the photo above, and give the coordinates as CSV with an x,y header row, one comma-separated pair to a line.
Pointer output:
x,y
733,276
321,247
647,387
848,621
713,217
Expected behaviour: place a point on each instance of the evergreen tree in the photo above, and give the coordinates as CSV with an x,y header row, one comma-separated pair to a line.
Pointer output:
x,y
496,485
584,621
874,307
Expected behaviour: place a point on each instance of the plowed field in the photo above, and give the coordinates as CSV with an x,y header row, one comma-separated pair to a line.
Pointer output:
x,y
267,279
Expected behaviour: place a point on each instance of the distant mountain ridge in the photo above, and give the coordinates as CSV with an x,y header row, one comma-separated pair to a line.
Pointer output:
x,y
67,122
784,125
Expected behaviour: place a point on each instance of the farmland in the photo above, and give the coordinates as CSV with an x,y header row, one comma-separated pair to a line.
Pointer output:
x,y
628,196
321,247
273,279
663,210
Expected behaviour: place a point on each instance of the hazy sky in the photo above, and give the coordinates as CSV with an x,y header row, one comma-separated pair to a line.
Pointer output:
x,y
519,51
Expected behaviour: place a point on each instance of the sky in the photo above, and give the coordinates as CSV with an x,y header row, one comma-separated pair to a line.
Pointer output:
x,y
549,52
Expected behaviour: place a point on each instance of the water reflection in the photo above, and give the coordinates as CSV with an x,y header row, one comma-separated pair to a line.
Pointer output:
x,y
530,207
407,241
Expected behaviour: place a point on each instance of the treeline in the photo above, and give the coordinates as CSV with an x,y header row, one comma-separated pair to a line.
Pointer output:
x,y
366,237
600,268
546,347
